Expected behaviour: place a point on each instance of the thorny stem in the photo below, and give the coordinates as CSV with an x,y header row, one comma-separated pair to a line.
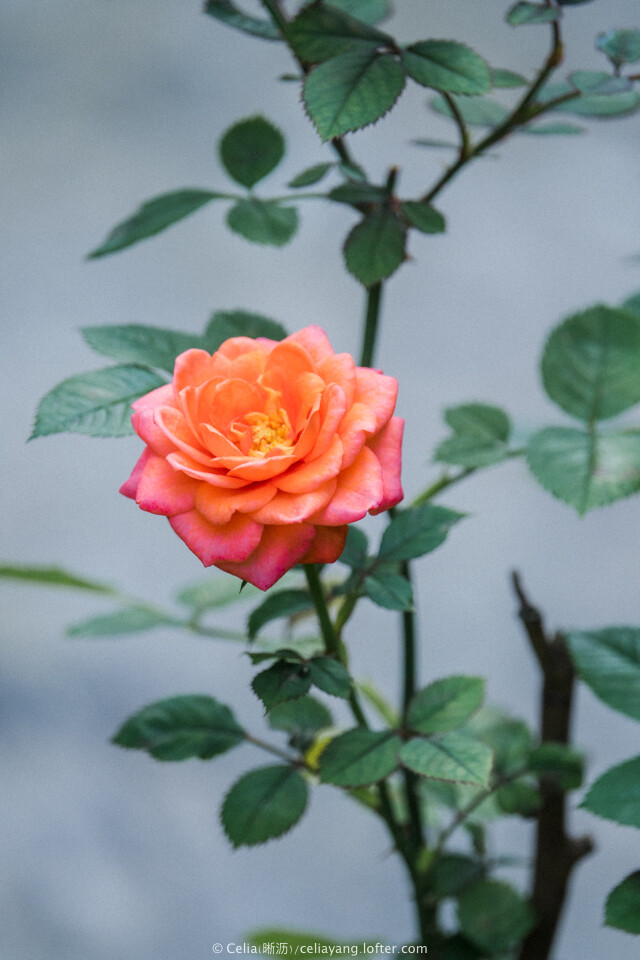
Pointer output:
x,y
556,852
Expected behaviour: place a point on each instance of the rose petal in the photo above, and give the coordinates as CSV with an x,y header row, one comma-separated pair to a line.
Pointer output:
x,y
295,507
176,429
180,461
232,541
280,549
332,411
359,490
377,392
191,368
340,369
129,487
159,397
307,476
162,490
259,468
315,342
230,400
285,364
238,346
218,505
217,444
387,446
327,546
357,425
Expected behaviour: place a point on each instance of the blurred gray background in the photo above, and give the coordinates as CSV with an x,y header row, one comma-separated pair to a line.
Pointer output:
x,y
108,854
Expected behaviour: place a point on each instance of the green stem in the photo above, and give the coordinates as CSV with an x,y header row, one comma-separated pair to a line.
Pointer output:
x,y
371,322
409,634
329,635
276,751
445,481
276,14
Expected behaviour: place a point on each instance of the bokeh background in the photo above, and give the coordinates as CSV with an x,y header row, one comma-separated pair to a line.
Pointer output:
x,y
108,854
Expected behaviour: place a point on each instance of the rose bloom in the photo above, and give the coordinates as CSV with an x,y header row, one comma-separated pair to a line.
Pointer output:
x,y
262,453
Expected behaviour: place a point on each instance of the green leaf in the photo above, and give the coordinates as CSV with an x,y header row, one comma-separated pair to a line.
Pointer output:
x,y
352,171
478,112
560,762
227,12
597,81
423,216
52,577
371,11
481,433
506,79
181,727
454,756
622,909
453,872
225,324
263,804
219,592
519,797
311,175
351,91
632,305
479,420
132,620
416,531
251,149
591,363
330,676
374,248
616,794
96,403
354,554
153,217
602,105
525,12
445,704
263,221
511,742
134,343
609,662
584,469
389,589
551,129
359,757
301,718
284,603
435,144
321,32
280,682
620,46
447,65
358,192
494,916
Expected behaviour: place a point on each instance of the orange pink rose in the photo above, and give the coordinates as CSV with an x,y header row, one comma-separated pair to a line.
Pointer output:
x,y
261,454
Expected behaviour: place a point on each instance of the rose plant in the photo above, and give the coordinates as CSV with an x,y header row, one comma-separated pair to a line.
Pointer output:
x,y
264,449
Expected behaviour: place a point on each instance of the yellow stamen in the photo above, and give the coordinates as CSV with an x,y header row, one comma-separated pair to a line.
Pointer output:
x,y
269,432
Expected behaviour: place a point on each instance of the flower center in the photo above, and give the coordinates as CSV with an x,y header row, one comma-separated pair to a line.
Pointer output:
x,y
269,432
